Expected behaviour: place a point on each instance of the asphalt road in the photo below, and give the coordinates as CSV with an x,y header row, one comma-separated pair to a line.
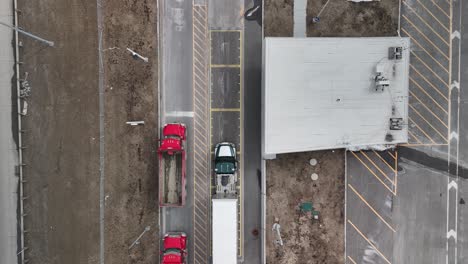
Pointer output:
x,y
252,137
177,99
463,147
8,153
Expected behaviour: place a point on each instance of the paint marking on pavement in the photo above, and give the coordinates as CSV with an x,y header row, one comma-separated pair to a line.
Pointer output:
x,y
382,159
225,109
352,260
426,93
428,109
180,114
451,185
371,208
429,123
430,13
377,167
426,37
430,83
225,66
373,173
368,241
420,46
420,129
452,234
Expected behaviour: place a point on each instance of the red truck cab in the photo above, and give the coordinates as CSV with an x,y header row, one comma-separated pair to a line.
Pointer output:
x,y
175,248
171,155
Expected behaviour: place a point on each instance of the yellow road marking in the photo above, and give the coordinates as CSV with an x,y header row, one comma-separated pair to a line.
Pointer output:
x,y
382,159
420,46
225,66
429,68
396,171
415,137
223,30
370,207
438,6
427,24
389,153
424,91
429,123
377,167
422,130
424,35
427,108
375,175
368,241
352,260
430,83
225,109
417,145
430,13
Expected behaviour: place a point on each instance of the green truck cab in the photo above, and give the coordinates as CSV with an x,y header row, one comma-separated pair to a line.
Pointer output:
x,y
225,158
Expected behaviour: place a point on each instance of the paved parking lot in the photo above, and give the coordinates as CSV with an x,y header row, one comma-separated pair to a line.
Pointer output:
x,y
372,185
226,99
428,25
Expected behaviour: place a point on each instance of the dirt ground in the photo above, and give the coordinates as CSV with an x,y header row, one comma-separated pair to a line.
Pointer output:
x,y
130,165
288,183
340,18
62,132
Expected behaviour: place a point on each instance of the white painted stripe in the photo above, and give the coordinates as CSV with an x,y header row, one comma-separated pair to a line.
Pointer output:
x,y
179,114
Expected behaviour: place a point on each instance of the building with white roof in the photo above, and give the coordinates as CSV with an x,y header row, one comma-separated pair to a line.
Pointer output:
x,y
328,93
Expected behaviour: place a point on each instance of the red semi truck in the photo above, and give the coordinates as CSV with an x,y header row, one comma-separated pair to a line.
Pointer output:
x,y
175,248
171,154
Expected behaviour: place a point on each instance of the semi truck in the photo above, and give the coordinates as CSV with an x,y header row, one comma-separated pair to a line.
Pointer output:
x,y
171,155
224,231
174,248
225,169
224,205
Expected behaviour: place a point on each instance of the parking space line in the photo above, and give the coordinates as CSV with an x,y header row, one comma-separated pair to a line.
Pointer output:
x,y
428,109
427,24
429,68
430,13
382,159
370,207
415,137
440,8
430,83
373,173
377,167
225,30
352,260
425,92
419,45
389,153
414,123
225,66
368,241
396,172
427,38
225,109
429,123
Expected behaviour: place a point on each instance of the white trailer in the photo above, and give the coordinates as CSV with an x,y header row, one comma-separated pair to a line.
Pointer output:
x,y
224,231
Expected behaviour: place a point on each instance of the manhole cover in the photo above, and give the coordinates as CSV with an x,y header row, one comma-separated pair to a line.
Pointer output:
x,y
313,162
314,176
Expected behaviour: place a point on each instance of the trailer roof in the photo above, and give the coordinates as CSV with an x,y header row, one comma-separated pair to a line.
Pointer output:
x,y
224,231
319,93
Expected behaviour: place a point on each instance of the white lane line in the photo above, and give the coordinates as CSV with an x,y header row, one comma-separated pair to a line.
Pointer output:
x,y
180,114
